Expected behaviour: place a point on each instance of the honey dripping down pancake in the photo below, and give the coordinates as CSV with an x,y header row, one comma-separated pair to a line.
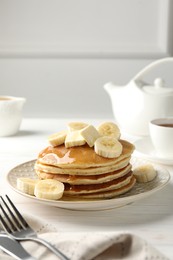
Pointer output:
x,y
92,163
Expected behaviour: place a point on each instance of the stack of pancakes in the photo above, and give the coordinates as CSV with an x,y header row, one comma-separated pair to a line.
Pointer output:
x,y
85,174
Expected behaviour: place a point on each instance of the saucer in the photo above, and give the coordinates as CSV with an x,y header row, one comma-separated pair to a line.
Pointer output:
x,y
145,149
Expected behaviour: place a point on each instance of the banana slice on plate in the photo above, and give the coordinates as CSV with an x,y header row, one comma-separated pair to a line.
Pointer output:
x,y
90,134
57,138
109,129
26,185
49,189
108,147
74,138
144,173
73,126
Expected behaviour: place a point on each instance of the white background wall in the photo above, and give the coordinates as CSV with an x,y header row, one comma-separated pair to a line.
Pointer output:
x,y
59,54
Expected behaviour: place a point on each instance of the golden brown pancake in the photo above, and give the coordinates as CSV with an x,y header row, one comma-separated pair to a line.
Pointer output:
x,y
80,156
85,179
82,171
105,194
71,189
85,174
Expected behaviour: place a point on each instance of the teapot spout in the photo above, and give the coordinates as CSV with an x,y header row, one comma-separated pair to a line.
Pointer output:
x,y
109,87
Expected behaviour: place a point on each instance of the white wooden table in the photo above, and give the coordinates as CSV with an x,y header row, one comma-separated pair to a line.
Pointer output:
x,y
150,218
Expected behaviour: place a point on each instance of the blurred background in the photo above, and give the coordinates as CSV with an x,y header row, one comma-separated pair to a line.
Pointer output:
x,y
59,54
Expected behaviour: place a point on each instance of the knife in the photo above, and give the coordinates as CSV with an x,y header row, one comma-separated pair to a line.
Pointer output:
x,y
13,248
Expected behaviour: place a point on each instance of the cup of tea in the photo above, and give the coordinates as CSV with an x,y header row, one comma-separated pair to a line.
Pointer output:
x,y
10,114
161,134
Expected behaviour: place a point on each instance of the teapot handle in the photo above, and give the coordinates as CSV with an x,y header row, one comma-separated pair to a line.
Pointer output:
x,y
150,67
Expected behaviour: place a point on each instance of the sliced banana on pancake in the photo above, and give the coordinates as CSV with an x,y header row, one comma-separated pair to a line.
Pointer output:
x,y
90,134
108,147
73,126
57,138
49,189
109,129
74,138
26,185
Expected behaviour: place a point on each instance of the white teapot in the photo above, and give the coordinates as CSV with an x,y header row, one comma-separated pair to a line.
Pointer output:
x,y
137,103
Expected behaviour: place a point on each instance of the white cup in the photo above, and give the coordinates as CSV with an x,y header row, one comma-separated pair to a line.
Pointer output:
x,y
10,114
161,133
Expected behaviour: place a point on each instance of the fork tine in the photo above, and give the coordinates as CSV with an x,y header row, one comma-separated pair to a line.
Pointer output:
x,y
23,221
17,225
4,224
8,219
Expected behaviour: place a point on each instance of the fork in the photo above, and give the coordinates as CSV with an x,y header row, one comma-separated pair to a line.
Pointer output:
x,y
17,227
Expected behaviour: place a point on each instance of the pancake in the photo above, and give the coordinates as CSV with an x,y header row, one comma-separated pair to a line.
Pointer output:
x,y
80,156
85,179
92,188
103,195
85,171
85,174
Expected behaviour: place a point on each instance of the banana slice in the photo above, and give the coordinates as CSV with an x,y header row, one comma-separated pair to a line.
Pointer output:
x,y
74,138
57,138
108,147
26,185
73,126
109,129
144,173
49,189
90,134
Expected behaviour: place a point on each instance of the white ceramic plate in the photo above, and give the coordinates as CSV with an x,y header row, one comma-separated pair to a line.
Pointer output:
x,y
139,191
145,149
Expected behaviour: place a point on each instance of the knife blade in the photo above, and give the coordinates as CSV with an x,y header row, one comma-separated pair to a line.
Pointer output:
x,y
14,248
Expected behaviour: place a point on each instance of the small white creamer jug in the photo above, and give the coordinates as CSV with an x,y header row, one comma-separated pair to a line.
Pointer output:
x,y
10,114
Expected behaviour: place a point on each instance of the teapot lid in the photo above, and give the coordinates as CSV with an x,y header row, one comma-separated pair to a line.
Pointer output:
x,y
158,87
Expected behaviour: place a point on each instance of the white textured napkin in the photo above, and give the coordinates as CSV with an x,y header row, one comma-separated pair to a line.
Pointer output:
x,y
87,246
